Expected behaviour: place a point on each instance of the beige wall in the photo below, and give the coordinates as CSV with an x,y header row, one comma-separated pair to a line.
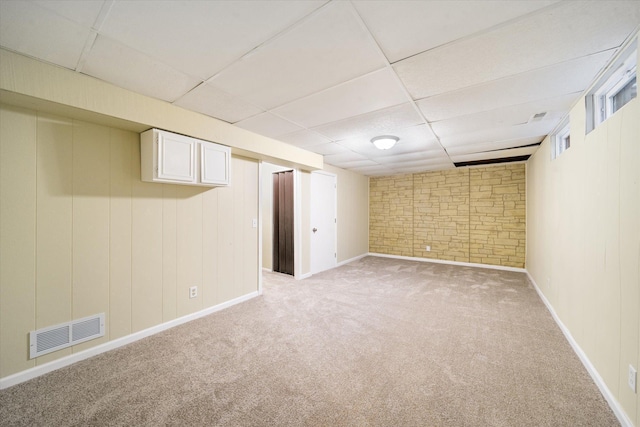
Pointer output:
x,y
470,215
81,234
353,213
583,245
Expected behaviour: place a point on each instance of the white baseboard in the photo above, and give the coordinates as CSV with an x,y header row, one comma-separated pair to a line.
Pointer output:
x,y
39,370
268,270
441,261
606,393
355,258
304,276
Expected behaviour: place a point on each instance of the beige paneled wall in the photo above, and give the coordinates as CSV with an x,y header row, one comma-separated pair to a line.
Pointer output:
x,y
80,234
469,215
583,245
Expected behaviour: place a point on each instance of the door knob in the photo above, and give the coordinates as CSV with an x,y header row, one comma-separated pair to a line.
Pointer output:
x,y
314,229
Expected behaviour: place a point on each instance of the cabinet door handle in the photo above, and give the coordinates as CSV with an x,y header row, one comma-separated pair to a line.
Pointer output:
x,y
314,229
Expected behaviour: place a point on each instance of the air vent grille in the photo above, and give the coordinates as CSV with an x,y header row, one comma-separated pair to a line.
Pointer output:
x,y
47,340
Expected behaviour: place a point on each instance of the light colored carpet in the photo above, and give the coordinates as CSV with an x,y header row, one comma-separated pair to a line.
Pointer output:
x,y
378,342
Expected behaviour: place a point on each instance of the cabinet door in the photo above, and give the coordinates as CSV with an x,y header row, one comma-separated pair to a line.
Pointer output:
x,y
214,167
176,158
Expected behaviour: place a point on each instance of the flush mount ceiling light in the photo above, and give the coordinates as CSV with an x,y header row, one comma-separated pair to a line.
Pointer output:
x,y
384,142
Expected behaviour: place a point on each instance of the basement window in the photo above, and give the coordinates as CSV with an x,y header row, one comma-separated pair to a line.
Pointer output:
x,y
617,87
561,140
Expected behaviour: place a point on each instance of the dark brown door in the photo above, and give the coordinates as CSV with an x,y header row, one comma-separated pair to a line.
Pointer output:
x,y
283,222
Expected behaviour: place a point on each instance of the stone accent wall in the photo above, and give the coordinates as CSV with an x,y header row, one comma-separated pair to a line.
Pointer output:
x,y
471,215
497,215
441,214
391,215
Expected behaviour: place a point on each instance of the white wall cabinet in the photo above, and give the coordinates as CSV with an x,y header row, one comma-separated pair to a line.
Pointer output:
x,y
171,158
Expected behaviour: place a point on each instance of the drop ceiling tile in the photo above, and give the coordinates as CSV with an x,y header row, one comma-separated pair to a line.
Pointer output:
x,y
328,48
375,170
304,138
499,154
529,130
350,165
201,37
413,139
142,73
493,146
436,156
570,77
388,120
31,30
540,40
426,168
346,156
405,28
210,100
330,149
371,92
555,108
268,125
83,12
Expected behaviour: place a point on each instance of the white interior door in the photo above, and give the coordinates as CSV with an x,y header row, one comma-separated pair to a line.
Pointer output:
x,y
323,221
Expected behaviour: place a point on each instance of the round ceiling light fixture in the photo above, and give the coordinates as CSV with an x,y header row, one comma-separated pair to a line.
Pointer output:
x,y
384,142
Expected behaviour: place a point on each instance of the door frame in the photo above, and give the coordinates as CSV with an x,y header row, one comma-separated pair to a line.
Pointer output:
x,y
335,215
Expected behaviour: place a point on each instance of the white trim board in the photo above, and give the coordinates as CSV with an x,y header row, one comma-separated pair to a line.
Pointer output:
x,y
355,258
39,370
615,406
440,261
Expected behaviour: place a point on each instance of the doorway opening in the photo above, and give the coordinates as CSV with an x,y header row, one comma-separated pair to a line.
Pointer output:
x,y
283,220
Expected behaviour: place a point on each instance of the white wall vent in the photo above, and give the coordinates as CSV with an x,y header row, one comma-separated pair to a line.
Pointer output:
x,y
53,338
537,117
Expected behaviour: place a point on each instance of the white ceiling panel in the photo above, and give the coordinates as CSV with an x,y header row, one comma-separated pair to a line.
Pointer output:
x,y
423,158
555,109
541,40
201,37
144,74
370,92
28,28
330,148
499,154
208,99
304,138
413,139
493,146
425,168
405,28
368,125
570,77
268,125
305,59
529,130
346,156
375,170
83,12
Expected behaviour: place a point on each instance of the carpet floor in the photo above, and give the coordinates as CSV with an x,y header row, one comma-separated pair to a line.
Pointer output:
x,y
377,342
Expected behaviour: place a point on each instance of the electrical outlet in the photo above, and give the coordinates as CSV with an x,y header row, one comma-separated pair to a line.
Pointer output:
x,y
193,292
633,375
428,248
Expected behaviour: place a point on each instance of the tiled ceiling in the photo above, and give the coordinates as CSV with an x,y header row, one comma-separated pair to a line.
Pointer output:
x,y
459,82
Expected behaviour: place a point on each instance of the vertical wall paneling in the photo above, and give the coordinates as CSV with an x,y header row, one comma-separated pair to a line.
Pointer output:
x,y
54,224
119,318
250,238
239,184
189,248
210,244
17,236
169,245
226,226
146,250
91,208
629,255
